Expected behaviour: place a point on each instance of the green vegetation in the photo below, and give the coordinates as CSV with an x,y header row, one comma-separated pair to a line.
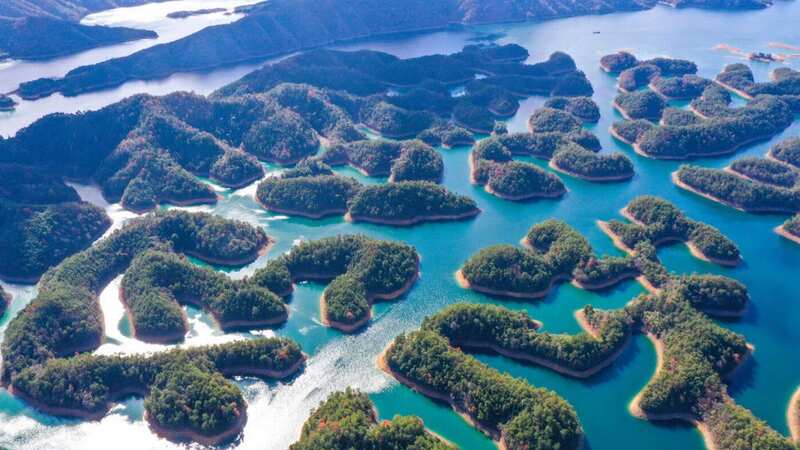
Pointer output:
x,y
362,270
787,151
515,335
65,316
7,103
617,62
47,37
507,408
283,137
723,132
556,252
347,420
583,108
684,87
738,192
631,130
311,196
640,105
583,163
184,389
783,81
35,238
637,77
448,135
714,294
792,226
679,117
517,180
157,281
410,202
659,221
545,120
767,171
404,161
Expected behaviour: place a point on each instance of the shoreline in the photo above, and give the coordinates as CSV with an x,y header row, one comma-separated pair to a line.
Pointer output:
x,y
601,179
296,212
793,416
172,202
258,372
783,232
414,220
464,283
183,435
606,284
618,136
730,88
233,262
677,182
626,115
372,298
694,155
636,411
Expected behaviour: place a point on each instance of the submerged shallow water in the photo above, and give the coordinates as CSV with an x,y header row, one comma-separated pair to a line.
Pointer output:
x,y
277,410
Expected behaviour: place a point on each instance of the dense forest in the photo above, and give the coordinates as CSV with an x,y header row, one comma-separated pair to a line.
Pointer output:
x,y
360,270
185,391
347,420
65,316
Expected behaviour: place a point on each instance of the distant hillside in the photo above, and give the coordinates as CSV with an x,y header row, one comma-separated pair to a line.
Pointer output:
x,y
41,37
72,10
283,26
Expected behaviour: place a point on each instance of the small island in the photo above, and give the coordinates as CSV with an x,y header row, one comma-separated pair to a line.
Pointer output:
x,y
790,229
195,12
314,197
640,105
634,74
584,108
348,419
738,78
658,221
360,270
409,203
400,161
186,395
686,87
7,103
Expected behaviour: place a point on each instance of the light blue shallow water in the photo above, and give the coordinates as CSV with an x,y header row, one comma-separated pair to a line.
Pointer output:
x,y
277,411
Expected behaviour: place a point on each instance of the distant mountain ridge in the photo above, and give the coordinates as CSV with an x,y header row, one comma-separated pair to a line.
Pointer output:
x,y
43,37
284,26
72,10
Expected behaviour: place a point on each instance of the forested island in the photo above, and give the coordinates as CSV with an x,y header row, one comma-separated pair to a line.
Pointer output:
x,y
194,12
67,295
790,229
711,126
657,221
312,190
46,37
400,161
186,395
763,185
509,410
360,270
347,419
7,103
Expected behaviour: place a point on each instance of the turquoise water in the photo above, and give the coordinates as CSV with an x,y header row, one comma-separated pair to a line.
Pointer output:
x,y
277,410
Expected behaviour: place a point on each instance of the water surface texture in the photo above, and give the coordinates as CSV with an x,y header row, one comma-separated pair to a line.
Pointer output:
x,y
277,410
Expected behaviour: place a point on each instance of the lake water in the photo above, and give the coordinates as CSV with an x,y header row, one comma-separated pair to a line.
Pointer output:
x,y
277,410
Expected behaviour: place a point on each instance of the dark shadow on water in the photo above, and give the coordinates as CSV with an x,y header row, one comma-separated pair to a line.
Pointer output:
x,y
744,377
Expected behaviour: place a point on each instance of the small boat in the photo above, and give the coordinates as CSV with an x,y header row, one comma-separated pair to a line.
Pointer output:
x,y
761,56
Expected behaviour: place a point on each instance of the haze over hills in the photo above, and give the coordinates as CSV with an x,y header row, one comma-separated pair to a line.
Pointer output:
x,y
72,10
283,26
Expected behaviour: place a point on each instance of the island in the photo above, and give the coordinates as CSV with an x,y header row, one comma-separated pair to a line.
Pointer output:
x,y
360,270
37,38
186,395
640,105
634,74
447,135
7,103
578,162
658,221
790,229
68,296
152,298
194,12
348,419
401,161
787,152
311,196
513,413
516,335
686,87
738,78
409,203
736,191
584,108
618,62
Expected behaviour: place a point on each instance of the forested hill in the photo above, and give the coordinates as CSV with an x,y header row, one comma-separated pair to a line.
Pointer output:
x,y
283,26
72,10
44,37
